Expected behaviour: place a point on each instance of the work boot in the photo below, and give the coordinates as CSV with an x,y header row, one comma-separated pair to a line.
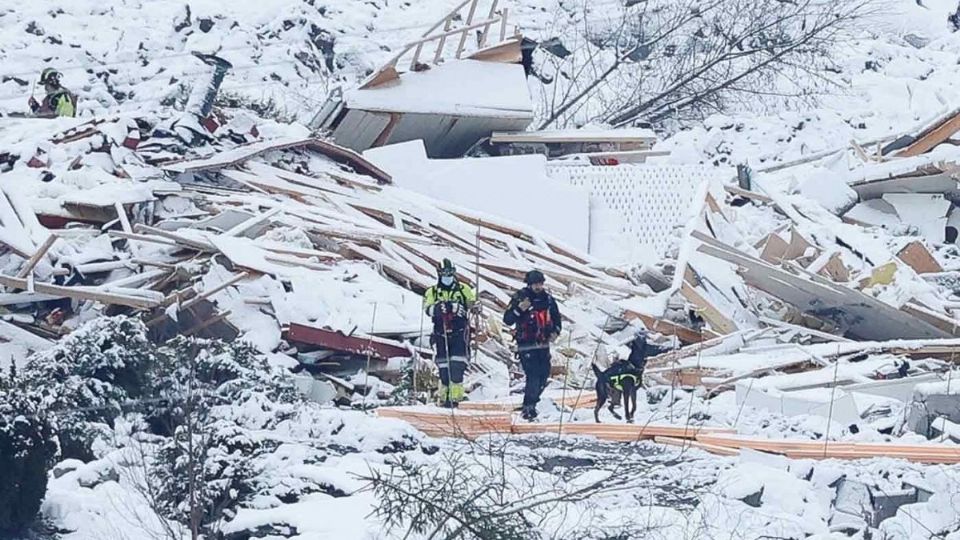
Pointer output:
x,y
447,404
529,413
456,392
442,396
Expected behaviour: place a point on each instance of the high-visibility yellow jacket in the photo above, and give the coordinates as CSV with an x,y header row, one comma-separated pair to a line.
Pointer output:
x,y
445,320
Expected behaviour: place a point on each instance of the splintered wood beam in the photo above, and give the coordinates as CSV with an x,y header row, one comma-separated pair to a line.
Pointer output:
x,y
79,293
668,328
936,136
718,321
176,238
207,323
379,348
34,259
143,238
122,215
214,290
687,443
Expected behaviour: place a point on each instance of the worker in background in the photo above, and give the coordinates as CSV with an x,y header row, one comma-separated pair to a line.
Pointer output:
x,y
536,316
448,304
58,101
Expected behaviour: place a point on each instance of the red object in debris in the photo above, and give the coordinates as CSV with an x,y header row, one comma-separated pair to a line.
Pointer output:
x,y
604,161
55,317
132,140
36,163
360,345
210,124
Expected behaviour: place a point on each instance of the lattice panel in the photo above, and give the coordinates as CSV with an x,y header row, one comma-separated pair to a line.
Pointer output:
x,y
652,201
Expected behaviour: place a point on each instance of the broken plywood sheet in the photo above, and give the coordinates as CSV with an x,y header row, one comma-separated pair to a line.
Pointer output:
x,y
917,256
800,248
774,249
934,134
835,269
861,315
244,253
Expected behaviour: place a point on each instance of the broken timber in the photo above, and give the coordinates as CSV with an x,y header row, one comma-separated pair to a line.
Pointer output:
x,y
375,347
864,317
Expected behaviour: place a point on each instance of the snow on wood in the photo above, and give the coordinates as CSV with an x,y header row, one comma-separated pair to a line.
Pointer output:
x,y
874,319
495,90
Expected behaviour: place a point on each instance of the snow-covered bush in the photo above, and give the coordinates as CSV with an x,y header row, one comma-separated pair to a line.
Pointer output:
x,y
27,447
89,377
219,396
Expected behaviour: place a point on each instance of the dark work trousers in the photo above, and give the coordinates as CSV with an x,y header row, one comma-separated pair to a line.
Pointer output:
x,y
453,352
536,367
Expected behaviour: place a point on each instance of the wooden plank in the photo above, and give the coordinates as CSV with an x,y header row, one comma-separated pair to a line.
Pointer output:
x,y
37,256
207,323
122,216
918,257
740,192
941,321
835,269
799,247
214,290
807,449
774,249
869,318
198,245
668,328
687,443
935,137
463,36
80,293
143,238
802,329
719,322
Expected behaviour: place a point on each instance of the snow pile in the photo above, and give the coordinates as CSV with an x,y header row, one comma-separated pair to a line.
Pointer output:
x,y
513,187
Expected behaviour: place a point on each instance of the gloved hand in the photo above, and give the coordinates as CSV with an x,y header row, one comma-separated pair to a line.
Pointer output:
x,y
33,104
476,308
524,304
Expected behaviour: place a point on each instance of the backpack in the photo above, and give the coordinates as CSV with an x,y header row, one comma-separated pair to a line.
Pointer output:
x,y
535,326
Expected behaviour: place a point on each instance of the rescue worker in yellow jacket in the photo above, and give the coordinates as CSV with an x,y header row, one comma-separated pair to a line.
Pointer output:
x,y
58,101
448,304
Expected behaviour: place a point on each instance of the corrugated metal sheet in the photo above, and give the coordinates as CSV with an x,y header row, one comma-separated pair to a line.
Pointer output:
x,y
359,129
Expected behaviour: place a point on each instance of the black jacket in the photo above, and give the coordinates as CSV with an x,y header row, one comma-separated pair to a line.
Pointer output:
x,y
530,324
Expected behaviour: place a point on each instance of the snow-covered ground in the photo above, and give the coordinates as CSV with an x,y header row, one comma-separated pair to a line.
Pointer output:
x,y
135,56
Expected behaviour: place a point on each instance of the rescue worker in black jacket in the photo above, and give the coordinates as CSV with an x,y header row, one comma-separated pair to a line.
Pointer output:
x,y
536,316
448,303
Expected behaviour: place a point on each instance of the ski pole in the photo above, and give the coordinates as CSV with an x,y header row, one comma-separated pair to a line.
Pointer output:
x,y
423,310
479,309
366,375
